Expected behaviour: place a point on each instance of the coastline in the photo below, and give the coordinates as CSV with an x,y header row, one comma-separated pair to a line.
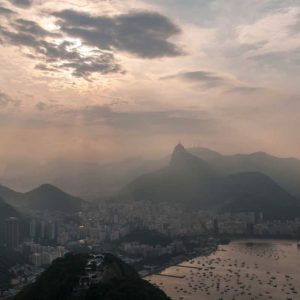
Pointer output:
x,y
185,257
180,259
265,268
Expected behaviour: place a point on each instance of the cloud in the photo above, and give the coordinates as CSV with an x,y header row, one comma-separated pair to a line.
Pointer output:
x,y
145,34
295,28
6,11
57,57
209,79
277,5
6,100
22,3
41,106
29,27
48,106
270,30
245,89
103,64
45,68
285,62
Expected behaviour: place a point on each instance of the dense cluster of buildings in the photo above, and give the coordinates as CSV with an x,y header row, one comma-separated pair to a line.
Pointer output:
x,y
40,255
99,225
48,236
102,227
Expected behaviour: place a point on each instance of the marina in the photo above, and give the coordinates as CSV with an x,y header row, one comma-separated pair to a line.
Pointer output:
x,y
256,269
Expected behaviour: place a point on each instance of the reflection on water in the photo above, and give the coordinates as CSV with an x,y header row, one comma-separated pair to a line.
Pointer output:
x,y
241,270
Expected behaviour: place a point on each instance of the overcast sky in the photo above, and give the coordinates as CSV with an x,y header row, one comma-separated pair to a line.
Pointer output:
x,y
102,80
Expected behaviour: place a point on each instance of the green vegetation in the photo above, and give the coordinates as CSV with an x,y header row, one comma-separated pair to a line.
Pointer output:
x,y
125,290
60,280
8,259
57,281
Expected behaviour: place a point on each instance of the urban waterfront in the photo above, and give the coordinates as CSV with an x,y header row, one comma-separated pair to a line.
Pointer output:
x,y
244,269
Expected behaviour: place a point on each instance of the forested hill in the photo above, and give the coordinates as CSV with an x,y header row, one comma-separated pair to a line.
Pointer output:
x,y
61,279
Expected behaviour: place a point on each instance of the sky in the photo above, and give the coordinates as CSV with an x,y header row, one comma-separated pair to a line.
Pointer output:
x,y
102,80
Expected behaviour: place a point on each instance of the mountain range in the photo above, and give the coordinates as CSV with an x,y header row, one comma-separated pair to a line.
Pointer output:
x,y
197,178
197,184
91,180
44,198
285,171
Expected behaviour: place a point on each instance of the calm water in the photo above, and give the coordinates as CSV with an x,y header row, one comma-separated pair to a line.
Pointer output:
x,y
250,269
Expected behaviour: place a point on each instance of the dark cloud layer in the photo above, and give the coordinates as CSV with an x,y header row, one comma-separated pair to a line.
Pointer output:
x,y
6,11
22,3
209,79
144,34
103,64
55,57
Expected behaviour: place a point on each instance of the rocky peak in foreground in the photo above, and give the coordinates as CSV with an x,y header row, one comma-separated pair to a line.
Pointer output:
x,y
90,277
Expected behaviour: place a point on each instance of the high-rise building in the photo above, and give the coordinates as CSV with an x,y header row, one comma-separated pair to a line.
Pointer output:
x,y
36,259
33,229
12,232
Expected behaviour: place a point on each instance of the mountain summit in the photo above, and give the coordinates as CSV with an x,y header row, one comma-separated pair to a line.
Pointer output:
x,y
184,163
178,151
49,197
45,197
180,157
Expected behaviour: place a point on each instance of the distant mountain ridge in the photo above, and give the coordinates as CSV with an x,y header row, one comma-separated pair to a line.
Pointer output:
x,y
194,183
93,181
285,171
44,198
